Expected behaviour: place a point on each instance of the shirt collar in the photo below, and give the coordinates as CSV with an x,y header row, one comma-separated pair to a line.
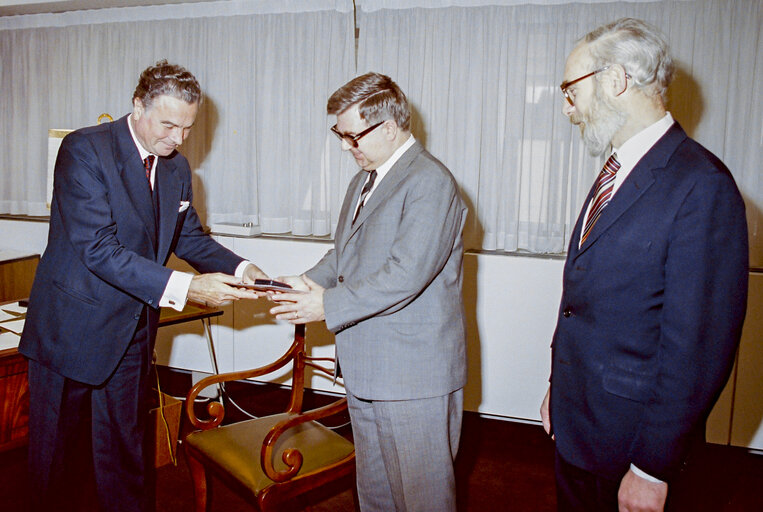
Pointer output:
x,y
384,168
141,150
637,146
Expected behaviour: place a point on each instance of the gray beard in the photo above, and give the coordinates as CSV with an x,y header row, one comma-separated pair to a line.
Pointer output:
x,y
601,125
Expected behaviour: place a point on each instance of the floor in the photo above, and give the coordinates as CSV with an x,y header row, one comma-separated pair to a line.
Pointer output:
x,y
501,466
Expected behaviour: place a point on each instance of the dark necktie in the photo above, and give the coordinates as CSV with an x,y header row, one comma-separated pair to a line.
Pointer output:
x,y
148,162
604,185
364,193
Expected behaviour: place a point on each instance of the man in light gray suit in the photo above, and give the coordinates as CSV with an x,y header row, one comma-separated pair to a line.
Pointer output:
x,y
391,292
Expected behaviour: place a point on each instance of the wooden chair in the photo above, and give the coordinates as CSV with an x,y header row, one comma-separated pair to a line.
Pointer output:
x,y
273,460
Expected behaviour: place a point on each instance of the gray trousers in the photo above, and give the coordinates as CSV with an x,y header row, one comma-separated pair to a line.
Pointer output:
x,y
404,452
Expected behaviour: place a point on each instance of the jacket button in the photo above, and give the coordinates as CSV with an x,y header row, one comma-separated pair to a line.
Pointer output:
x,y
340,279
567,312
136,317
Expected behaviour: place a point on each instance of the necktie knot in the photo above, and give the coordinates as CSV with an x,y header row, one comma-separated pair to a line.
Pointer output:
x,y
364,193
148,163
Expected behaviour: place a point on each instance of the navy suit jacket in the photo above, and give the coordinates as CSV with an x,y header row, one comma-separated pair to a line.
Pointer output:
x,y
651,314
104,260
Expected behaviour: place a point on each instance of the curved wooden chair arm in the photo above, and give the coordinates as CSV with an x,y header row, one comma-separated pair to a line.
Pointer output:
x,y
290,456
216,410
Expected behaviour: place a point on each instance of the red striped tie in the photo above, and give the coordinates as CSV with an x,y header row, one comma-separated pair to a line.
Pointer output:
x,y
604,185
148,162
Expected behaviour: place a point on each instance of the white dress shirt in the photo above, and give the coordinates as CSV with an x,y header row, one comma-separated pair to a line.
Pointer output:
x,y
632,151
176,292
384,168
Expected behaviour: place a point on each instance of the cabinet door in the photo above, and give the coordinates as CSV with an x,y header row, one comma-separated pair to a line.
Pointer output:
x,y
16,277
747,414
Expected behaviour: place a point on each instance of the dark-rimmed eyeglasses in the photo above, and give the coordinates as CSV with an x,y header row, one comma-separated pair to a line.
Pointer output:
x,y
352,140
566,85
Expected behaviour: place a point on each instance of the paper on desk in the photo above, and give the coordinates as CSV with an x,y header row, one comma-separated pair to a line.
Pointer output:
x,y
14,308
16,326
6,316
9,340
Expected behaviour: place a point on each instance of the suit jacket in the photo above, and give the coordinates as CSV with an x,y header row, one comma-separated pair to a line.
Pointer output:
x,y
104,260
651,314
393,283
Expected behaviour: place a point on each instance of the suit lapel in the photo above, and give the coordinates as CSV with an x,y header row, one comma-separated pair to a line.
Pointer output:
x,y
133,175
348,208
170,191
386,187
635,185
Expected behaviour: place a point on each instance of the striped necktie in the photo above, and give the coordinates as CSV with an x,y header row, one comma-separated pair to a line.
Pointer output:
x,y
148,162
364,193
604,185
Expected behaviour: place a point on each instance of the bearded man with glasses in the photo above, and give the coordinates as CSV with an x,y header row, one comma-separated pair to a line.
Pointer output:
x,y
655,284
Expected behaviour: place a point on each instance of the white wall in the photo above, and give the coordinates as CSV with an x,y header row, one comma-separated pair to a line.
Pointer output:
x,y
511,304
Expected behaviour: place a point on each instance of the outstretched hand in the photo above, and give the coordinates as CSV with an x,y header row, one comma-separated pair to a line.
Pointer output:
x,y
300,307
217,289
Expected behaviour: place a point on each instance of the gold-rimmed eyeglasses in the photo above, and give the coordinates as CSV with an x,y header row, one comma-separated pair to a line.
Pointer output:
x,y
352,140
566,85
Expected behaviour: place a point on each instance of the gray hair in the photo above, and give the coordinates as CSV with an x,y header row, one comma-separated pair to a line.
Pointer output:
x,y
167,79
639,48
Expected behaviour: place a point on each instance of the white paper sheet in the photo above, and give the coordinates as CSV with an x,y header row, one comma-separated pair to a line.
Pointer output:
x,y
6,316
9,340
16,326
14,308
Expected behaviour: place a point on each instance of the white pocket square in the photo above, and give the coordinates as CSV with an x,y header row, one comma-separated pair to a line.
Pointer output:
x,y
184,206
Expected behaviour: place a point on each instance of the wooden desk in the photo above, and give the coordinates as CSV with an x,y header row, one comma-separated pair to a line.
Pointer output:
x,y
14,387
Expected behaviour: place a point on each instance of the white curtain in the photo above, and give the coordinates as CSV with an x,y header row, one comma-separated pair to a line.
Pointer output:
x,y
482,75
484,81
259,149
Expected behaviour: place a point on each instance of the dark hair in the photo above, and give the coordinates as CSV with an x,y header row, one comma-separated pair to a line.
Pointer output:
x,y
378,99
167,79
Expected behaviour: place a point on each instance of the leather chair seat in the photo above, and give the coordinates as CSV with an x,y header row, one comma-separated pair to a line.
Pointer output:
x,y
235,449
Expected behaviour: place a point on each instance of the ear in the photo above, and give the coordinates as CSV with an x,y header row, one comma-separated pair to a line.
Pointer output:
x,y
137,108
616,73
390,129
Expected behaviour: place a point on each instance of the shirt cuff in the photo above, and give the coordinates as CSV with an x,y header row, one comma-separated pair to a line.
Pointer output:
x,y
176,292
645,476
241,267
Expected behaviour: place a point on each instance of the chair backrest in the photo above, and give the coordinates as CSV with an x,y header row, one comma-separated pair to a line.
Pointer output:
x,y
295,354
275,458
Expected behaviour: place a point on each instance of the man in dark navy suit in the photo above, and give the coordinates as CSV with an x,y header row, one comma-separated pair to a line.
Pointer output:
x,y
655,283
122,203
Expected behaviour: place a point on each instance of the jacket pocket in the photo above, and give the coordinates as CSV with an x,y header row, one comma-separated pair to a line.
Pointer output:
x,y
627,384
75,294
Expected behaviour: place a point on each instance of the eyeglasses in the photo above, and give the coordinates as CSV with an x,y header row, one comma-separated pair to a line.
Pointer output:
x,y
566,85
352,140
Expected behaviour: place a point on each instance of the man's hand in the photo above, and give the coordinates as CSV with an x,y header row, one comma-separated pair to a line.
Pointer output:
x,y
217,289
299,308
544,415
252,272
637,494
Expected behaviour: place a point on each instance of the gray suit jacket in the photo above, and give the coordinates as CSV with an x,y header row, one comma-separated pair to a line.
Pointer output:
x,y
393,283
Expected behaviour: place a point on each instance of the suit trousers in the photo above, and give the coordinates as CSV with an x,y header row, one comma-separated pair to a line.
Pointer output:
x,y
578,490
84,436
404,452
